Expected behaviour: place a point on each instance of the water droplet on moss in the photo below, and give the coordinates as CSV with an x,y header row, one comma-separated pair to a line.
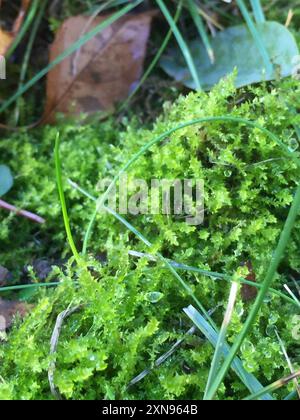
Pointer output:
x,y
249,366
239,310
268,298
154,297
293,145
271,331
228,173
273,318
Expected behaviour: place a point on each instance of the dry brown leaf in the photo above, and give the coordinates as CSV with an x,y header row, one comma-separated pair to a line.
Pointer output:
x,y
7,38
103,71
8,310
249,292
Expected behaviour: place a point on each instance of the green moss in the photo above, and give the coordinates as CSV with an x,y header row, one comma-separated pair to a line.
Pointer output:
x,y
118,332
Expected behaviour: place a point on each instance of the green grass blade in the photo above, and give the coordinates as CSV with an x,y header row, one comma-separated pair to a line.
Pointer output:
x,y
273,387
258,11
167,134
201,29
212,334
256,36
182,44
63,201
218,276
274,263
24,28
222,336
24,67
70,50
154,61
27,286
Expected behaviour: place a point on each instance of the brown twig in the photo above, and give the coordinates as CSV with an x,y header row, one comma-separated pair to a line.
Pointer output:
x,y
53,347
24,213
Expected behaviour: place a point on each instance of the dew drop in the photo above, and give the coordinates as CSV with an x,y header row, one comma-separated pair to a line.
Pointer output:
x,y
247,347
240,310
227,173
268,298
271,331
154,297
293,145
273,318
249,366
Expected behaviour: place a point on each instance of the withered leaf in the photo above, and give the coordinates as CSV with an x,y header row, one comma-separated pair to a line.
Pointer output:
x,y
103,71
249,292
8,310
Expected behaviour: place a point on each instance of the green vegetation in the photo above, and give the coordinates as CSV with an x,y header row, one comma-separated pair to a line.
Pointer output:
x,y
131,310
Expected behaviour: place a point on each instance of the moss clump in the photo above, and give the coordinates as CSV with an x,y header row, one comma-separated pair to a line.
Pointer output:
x,y
249,185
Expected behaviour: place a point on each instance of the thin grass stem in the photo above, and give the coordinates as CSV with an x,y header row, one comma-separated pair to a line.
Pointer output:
x,y
154,61
256,35
197,18
63,201
182,44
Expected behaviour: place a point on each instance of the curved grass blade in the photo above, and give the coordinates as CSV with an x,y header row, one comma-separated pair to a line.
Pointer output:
x,y
182,44
217,276
70,50
167,134
63,201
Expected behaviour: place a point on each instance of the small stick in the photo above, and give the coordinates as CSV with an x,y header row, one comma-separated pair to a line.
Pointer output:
x,y
28,215
53,346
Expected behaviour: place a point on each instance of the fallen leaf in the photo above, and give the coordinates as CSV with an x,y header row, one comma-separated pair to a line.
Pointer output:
x,y
7,38
103,71
235,48
8,310
249,292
